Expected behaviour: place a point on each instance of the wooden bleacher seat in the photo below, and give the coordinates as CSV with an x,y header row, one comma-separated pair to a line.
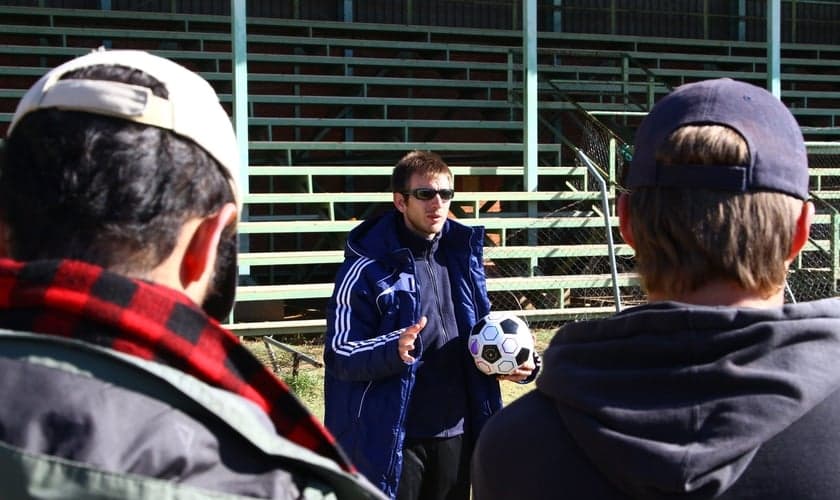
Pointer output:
x,y
331,78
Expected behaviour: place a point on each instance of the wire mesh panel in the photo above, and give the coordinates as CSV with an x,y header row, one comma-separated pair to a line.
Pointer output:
x,y
577,264
814,274
564,272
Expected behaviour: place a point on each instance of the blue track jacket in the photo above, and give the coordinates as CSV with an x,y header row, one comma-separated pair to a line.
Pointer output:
x,y
367,386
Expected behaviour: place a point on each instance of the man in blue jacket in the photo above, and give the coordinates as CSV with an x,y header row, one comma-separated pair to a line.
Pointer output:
x,y
716,388
402,394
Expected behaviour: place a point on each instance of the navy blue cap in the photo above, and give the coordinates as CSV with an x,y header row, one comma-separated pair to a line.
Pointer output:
x,y
778,159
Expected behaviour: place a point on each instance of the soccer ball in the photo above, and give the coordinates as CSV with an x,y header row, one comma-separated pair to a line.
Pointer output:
x,y
500,342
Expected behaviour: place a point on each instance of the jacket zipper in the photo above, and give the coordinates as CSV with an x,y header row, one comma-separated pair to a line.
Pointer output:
x,y
436,294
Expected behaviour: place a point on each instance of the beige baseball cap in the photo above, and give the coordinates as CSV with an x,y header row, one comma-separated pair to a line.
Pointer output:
x,y
192,109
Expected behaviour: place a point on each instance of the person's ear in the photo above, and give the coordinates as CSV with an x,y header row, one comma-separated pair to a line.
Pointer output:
x,y
802,231
199,258
400,202
624,227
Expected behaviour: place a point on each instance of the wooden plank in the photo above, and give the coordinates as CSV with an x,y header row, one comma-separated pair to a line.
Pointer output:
x,y
319,326
360,81
52,12
826,171
559,282
827,195
338,100
304,257
23,71
12,93
399,32
486,147
71,52
702,57
326,226
297,226
334,42
555,251
381,62
250,293
385,170
383,122
112,33
261,328
460,196
291,258
821,131
295,198
598,87
822,148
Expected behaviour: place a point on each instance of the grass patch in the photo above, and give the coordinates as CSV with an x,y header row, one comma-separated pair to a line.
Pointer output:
x,y
308,383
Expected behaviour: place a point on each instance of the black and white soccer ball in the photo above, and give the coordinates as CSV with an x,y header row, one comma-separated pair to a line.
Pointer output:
x,y
500,342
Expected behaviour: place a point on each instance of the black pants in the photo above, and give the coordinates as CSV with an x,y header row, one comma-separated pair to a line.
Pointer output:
x,y
435,469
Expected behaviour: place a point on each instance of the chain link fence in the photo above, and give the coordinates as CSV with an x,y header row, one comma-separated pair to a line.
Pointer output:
x,y
576,256
584,266
576,275
814,274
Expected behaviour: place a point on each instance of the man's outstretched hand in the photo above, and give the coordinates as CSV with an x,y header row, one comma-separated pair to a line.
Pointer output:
x,y
407,338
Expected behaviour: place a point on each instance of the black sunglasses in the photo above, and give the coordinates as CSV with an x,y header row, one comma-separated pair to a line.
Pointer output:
x,y
426,194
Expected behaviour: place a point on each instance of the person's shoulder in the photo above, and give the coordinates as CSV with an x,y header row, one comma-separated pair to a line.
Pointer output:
x,y
124,431
809,446
361,271
374,238
828,308
525,451
520,422
455,227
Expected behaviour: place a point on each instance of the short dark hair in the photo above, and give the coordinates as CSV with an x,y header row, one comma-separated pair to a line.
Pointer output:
x,y
423,163
103,190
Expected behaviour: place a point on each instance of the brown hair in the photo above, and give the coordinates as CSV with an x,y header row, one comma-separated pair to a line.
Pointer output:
x,y
423,163
686,238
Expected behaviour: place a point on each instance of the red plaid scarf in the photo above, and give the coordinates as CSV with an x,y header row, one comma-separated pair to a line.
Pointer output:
x,y
83,301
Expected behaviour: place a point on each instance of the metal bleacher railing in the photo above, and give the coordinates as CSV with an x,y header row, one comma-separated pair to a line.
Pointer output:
x,y
333,105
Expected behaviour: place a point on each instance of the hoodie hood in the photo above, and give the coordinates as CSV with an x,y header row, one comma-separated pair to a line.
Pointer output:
x,y
671,399
378,239
375,238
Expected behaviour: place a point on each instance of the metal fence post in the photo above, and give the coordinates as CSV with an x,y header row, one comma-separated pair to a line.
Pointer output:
x,y
605,207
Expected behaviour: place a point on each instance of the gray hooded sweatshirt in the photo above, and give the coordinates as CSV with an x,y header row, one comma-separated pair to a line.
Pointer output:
x,y
670,400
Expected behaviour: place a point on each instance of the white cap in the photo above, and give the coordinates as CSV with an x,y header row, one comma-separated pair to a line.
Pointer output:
x,y
192,109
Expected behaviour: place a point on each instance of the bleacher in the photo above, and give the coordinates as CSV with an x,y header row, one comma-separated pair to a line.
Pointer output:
x,y
333,105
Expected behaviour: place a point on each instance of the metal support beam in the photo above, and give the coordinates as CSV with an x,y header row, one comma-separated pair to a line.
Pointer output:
x,y
239,46
529,105
347,11
103,5
557,16
240,86
774,35
530,138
